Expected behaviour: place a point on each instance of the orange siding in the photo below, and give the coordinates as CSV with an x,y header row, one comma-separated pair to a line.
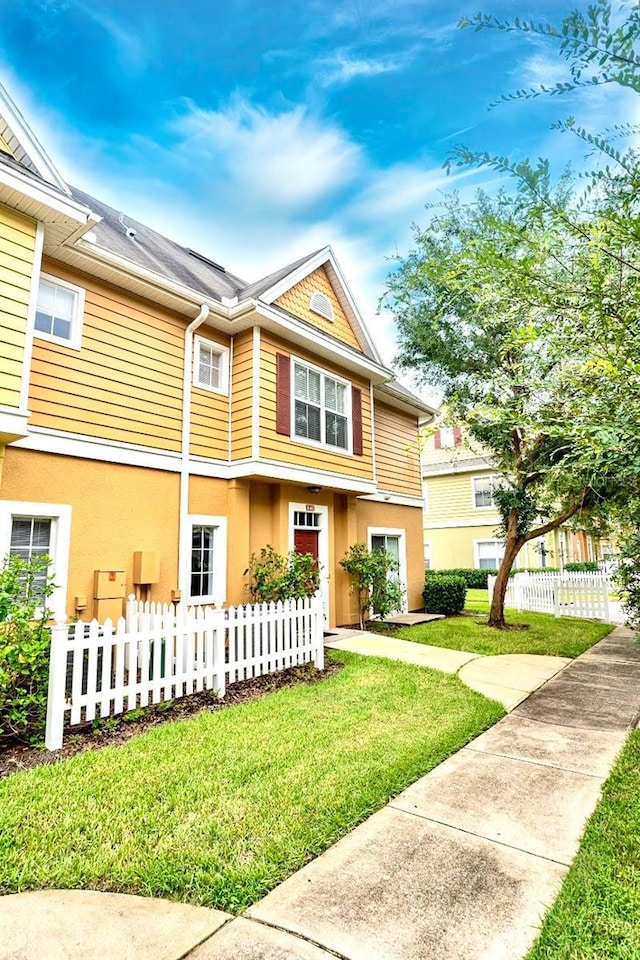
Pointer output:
x,y
274,446
397,451
242,391
296,301
125,384
210,416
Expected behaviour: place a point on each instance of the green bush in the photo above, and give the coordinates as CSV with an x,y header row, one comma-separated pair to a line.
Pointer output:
x,y
25,640
276,577
587,566
474,579
444,593
373,579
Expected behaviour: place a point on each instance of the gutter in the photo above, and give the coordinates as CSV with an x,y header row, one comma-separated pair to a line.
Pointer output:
x,y
187,379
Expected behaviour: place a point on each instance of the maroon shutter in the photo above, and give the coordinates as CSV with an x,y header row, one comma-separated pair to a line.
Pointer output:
x,y
436,440
356,420
283,394
457,436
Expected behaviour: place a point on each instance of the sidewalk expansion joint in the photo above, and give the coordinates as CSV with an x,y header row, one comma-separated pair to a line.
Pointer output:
x,y
481,836
292,933
210,936
534,763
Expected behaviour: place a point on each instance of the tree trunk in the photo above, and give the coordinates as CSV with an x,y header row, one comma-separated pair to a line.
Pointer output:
x,y
512,545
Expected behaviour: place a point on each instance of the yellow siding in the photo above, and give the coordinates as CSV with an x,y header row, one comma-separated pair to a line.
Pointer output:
x,y
454,547
5,146
125,384
17,246
397,451
210,416
296,301
450,498
242,381
274,446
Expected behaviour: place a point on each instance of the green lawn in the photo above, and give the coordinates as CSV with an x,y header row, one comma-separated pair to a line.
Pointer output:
x,y
562,637
597,913
220,808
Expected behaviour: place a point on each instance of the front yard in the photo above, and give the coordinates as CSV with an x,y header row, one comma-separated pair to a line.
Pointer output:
x,y
220,808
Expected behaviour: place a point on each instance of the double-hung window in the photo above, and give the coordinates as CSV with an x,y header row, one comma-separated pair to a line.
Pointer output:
x,y
59,312
321,411
29,530
483,491
488,554
208,559
211,366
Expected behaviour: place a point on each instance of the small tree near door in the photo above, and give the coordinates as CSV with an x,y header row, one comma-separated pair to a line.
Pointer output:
x,y
373,580
276,577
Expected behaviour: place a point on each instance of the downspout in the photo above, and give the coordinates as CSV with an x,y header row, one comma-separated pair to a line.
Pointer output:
x,y
183,530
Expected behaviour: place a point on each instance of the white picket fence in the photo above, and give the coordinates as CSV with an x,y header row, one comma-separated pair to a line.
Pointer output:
x,y
162,652
574,594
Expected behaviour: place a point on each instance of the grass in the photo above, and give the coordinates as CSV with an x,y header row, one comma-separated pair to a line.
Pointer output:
x,y
596,915
219,808
563,637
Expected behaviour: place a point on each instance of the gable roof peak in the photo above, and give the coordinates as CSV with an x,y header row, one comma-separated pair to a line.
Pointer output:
x,y
24,145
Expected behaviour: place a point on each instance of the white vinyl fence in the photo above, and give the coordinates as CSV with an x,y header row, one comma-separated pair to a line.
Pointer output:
x,y
166,651
562,594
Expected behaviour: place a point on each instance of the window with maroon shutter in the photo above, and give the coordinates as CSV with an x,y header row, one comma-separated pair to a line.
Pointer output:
x,y
436,440
356,420
283,394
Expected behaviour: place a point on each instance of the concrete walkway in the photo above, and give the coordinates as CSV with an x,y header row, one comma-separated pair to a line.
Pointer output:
x,y
461,866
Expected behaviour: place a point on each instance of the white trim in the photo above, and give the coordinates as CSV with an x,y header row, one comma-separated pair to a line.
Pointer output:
x,y
74,341
13,424
276,470
255,395
61,534
482,476
324,374
223,353
32,148
427,547
43,193
398,499
320,303
454,524
31,317
476,552
458,466
323,546
401,533
219,595
374,461
425,494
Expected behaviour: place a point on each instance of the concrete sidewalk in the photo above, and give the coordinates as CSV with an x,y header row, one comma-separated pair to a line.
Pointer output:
x,y
461,866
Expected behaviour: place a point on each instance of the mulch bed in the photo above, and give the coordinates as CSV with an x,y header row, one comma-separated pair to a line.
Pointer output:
x,y
111,732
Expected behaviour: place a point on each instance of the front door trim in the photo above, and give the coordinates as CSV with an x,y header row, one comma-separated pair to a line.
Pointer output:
x,y
323,545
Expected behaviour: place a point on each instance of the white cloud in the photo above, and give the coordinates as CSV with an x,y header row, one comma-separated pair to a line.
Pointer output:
x,y
287,160
343,67
133,48
541,70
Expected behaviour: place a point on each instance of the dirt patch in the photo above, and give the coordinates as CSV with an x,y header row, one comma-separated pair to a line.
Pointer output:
x,y
116,730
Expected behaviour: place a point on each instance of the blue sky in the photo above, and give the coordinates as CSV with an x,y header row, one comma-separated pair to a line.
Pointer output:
x,y
258,131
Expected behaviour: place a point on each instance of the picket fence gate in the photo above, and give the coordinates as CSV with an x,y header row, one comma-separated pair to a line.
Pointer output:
x,y
161,652
575,594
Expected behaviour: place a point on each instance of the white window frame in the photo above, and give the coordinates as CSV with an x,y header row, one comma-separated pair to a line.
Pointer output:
x,y
428,554
491,477
308,441
75,340
401,533
60,515
219,596
476,551
223,353
447,438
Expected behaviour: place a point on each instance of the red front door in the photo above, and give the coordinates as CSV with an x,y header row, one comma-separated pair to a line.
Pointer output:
x,y
306,541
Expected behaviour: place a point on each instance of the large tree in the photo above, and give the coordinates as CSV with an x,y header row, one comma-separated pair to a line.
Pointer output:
x,y
524,308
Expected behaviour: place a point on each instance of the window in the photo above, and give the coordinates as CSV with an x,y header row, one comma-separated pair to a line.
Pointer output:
x,y
207,574
211,366
483,491
59,312
393,540
44,529
488,554
447,438
427,556
321,407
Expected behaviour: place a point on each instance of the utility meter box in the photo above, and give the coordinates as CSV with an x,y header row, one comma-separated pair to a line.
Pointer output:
x,y
109,584
146,566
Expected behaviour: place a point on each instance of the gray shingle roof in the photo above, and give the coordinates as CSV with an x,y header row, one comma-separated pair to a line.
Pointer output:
x,y
259,287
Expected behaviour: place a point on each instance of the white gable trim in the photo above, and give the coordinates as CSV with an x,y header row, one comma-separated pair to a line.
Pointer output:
x,y
19,136
326,257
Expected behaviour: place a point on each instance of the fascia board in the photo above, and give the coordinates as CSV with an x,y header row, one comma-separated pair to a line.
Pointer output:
x,y
44,194
29,142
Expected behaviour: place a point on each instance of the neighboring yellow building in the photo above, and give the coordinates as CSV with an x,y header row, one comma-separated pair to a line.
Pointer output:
x,y
161,419
461,520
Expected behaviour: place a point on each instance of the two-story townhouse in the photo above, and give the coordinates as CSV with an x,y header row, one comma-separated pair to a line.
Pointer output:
x,y
461,520
161,419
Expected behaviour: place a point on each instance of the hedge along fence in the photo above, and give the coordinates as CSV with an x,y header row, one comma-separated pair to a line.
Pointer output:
x,y
473,579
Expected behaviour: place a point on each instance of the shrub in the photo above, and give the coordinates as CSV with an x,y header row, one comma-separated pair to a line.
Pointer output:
x,y
276,577
474,579
372,579
587,566
25,640
627,577
444,593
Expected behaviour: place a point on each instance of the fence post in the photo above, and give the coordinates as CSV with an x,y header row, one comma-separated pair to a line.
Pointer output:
x,y
605,588
131,609
218,626
318,632
57,684
556,587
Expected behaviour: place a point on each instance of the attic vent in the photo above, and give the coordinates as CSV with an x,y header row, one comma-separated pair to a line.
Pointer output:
x,y
211,263
321,304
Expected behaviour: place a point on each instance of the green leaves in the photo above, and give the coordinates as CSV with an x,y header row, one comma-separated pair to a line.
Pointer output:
x,y
373,579
276,577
